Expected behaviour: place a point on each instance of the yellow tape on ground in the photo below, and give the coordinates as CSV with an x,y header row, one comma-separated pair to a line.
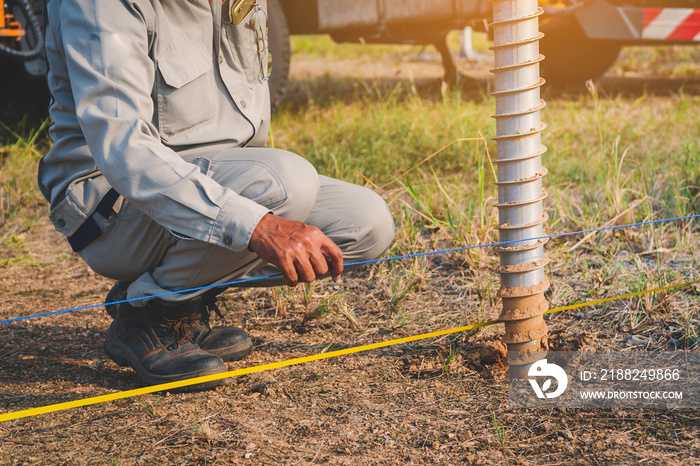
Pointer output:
x,y
624,296
225,375
291,362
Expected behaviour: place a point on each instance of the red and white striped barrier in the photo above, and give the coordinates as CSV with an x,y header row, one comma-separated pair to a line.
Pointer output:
x,y
671,24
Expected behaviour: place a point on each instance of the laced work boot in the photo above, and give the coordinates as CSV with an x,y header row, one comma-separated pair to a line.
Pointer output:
x,y
229,343
159,347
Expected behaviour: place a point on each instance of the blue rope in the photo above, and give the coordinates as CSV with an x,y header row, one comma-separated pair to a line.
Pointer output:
x,y
375,261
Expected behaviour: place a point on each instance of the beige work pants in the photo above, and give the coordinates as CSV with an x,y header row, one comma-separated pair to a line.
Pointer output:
x,y
135,248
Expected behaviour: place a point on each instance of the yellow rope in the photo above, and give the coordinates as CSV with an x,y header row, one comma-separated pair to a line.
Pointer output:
x,y
624,296
292,362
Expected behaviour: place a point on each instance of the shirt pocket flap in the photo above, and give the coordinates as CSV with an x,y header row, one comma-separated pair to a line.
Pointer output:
x,y
185,64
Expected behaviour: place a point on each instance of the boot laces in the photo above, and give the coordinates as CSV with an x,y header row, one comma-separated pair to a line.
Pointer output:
x,y
209,304
180,329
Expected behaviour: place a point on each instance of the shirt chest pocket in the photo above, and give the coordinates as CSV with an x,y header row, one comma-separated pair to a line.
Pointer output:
x,y
248,43
185,90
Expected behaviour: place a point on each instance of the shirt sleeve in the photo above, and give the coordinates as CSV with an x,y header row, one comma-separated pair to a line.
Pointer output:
x,y
112,76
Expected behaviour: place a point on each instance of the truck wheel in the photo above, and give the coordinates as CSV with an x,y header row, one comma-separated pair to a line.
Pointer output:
x,y
571,58
280,52
21,96
23,91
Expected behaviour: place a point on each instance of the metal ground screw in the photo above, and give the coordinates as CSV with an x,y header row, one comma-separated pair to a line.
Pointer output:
x,y
520,172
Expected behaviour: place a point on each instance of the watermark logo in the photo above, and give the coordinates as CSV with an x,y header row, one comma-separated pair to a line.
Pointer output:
x,y
553,372
605,379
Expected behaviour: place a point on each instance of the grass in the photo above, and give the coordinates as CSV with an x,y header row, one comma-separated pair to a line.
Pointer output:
x,y
20,151
604,157
675,62
612,159
322,46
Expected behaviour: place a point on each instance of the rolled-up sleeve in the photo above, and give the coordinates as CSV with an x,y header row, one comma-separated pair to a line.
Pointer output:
x,y
106,47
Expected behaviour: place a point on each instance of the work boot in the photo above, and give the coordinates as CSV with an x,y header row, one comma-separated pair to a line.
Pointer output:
x,y
229,343
158,346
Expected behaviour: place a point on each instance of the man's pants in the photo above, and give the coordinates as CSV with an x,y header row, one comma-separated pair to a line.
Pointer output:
x,y
135,248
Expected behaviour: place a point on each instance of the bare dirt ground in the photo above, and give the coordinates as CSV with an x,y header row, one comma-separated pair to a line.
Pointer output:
x,y
440,401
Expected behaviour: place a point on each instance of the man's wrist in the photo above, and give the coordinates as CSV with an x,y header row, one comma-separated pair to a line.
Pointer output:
x,y
237,220
256,226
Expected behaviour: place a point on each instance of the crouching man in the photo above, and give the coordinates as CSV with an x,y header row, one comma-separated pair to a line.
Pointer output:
x,y
159,176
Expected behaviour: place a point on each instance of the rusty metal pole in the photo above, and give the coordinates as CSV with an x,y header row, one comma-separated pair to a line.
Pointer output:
x,y
520,172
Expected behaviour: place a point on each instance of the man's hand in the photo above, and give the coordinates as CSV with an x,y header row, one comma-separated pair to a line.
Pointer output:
x,y
302,252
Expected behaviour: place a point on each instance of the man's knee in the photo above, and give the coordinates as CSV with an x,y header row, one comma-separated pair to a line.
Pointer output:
x,y
301,185
379,227
301,182
365,230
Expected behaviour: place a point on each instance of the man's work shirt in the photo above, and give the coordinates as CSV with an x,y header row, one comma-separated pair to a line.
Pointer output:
x,y
135,81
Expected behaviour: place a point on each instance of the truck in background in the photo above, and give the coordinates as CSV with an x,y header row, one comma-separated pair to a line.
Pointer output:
x,y
582,38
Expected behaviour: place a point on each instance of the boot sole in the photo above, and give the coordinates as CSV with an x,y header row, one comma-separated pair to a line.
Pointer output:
x,y
121,355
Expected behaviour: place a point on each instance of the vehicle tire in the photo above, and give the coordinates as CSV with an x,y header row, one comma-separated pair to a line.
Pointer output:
x,y
280,52
22,97
571,58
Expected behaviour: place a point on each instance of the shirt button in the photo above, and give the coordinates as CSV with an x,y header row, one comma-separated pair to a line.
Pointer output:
x,y
243,104
228,241
61,222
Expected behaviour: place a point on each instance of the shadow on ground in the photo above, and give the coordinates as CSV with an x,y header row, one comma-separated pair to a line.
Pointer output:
x,y
43,364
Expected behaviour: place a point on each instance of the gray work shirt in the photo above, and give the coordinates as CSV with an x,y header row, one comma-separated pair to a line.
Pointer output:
x,y
133,83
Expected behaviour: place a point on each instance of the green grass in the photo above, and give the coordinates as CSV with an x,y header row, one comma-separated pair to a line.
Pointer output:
x,y
20,152
629,159
612,159
322,46
618,151
676,62
429,153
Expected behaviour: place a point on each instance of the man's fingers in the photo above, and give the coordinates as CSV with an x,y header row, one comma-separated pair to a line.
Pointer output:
x,y
319,263
289,271
303,253
305,271
334,257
